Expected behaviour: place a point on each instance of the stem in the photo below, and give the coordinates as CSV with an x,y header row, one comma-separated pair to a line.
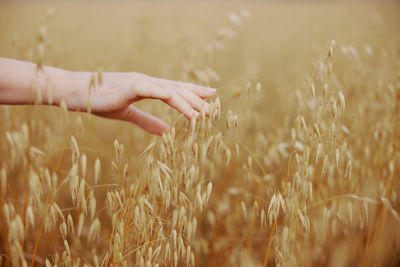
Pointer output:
x,y
274,225
253,156
5,228
39,234
269,244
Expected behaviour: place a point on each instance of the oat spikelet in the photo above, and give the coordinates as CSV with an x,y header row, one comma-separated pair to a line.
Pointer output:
x,y
75,150
325,164
94,230
262,218
83,165
30,218
348,170
81,221
3,182
66,245
318,153
244,210
342,101
97,170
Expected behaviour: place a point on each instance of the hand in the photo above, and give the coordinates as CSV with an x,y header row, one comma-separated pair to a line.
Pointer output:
x,y
113,96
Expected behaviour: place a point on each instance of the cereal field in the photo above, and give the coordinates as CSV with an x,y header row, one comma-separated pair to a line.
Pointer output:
x,y
296,165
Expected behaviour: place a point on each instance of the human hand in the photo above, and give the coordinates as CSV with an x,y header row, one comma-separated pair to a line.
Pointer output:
x,y
110,96
113,95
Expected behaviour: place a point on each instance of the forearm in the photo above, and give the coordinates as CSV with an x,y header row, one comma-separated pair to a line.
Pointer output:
x,y
109,95
22,83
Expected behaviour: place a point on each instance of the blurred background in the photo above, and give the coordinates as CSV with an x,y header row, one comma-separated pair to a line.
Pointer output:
x,y
232,46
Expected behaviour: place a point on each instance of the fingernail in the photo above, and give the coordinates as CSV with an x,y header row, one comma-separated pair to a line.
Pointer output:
x,y
195,113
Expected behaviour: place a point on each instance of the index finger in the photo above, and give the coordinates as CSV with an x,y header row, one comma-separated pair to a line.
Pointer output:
x,y
201,91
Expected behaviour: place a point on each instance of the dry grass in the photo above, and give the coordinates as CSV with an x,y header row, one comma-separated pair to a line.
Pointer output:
x,y
299,168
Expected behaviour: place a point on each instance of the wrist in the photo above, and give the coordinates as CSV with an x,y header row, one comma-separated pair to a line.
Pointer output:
x,y
71,89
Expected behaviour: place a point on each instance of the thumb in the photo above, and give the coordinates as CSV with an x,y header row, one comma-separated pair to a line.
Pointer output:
x,y
144,120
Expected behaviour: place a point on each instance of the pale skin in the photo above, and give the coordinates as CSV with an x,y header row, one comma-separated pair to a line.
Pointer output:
x,y
110,98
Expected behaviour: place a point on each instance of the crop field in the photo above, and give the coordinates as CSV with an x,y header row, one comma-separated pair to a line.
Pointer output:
x,y
297,164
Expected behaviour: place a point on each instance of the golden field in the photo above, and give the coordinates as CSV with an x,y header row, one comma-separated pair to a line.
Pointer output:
x,y
299,168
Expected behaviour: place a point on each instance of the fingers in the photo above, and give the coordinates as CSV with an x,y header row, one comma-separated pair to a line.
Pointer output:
x,y
144,120
201,91
148,90
182,104
177,102
185,97
195,101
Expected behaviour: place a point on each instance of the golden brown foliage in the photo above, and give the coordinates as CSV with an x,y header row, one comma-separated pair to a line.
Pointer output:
x,y
297,165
